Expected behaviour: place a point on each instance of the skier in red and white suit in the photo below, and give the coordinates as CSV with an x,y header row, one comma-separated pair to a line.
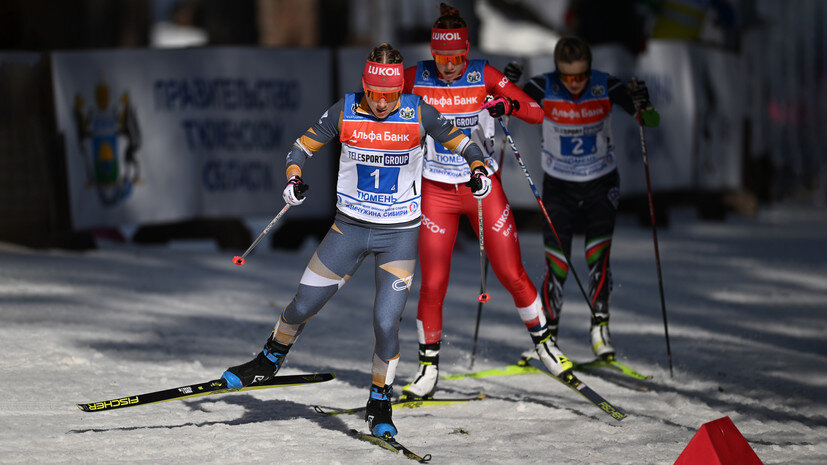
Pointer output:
x,y
458,87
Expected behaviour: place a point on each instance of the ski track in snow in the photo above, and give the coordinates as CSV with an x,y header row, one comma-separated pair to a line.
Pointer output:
x,y
746,303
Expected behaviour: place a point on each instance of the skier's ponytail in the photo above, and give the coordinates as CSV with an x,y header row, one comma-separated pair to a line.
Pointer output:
x,y
449,18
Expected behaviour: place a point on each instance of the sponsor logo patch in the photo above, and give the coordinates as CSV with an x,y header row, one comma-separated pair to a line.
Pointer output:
x,y
396,159
466,121
402,284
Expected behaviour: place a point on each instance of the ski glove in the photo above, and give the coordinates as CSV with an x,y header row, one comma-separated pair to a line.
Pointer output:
x,y
479,183
501,106
513,71
293,193
639,94
646,113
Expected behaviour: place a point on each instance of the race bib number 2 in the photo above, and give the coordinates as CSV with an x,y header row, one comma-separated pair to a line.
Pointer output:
x,y
578,146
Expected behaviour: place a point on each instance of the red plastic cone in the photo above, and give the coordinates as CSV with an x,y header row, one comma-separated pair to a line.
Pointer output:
x,y
718,443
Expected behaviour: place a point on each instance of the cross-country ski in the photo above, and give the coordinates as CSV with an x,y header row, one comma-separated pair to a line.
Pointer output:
x,y
217,386
391,444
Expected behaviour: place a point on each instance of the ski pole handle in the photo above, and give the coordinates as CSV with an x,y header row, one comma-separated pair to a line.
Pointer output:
x,y
240,260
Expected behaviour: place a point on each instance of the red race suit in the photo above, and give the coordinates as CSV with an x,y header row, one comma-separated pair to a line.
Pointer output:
x,y
445,197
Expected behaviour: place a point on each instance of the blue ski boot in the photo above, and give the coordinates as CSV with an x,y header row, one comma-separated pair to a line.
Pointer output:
x,y
258,370
379,411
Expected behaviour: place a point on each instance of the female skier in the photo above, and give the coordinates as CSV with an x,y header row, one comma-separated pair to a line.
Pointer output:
x,y
581,179
378,201
458,87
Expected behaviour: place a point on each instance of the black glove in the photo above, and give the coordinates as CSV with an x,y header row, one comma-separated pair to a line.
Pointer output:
x,y
513,71
639,94
646,113
501,106
479,183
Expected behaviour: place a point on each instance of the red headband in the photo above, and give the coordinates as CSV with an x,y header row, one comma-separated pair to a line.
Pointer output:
x,y
449,39
383,75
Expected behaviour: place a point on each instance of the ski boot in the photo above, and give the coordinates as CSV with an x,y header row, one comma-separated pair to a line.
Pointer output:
x,y
552,357
379,412
601,340
553,327
424,385
258,370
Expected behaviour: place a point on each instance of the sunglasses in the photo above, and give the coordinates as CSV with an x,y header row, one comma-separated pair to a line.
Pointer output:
x,y
388,96
573,78
453,59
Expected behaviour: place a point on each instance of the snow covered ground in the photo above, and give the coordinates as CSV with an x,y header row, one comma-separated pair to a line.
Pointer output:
x,y
747,308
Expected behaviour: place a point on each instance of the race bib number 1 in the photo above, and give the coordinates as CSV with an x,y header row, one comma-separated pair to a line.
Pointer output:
x,y
378,179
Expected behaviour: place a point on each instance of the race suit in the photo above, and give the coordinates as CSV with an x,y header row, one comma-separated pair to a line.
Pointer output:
x,y
378,201
445,198
581,185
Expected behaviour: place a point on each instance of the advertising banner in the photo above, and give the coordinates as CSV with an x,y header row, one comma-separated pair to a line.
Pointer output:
x,y
165,135
720,105
671,77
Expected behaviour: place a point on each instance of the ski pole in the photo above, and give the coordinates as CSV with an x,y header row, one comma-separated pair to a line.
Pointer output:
x,y
240,260
484,296
654,231
505,141
485,269
545,213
